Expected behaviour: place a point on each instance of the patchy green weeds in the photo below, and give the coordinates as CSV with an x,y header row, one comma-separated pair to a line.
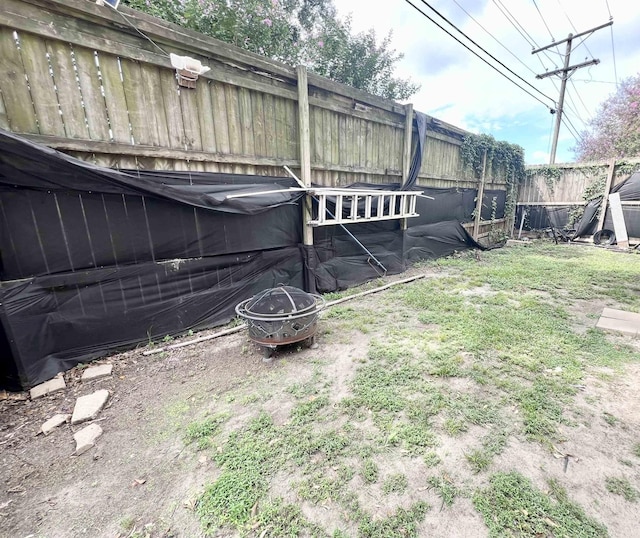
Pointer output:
x,y
622,487
511,506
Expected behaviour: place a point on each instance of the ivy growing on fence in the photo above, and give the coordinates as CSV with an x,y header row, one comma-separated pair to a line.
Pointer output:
x,y
504,161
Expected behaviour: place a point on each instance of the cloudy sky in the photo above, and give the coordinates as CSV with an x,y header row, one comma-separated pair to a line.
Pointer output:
x,y
459,88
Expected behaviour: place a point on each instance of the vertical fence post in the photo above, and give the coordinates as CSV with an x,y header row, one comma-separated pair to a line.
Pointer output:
x,y
305,150
512,198
406,150
476,223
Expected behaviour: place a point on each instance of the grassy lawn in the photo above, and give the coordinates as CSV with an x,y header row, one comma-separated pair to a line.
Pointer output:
x,y
488,355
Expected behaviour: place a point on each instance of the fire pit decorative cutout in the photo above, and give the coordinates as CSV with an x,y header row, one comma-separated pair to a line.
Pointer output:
x,y
279,316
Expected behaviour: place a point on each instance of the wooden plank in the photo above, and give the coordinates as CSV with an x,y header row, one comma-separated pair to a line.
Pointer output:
x,y
619,226
233,120
246,122
279,127
292,131
4,119
271,143
172,109
104,21
304,131
369,141
377,116
20,115
206,115
220,120
326,136
342,137
125,45
111,152
114,97
137,106
190,119
304,128
605,194
68,90
45,101
315,126
90,87
157,121
257,124
478,216
335,138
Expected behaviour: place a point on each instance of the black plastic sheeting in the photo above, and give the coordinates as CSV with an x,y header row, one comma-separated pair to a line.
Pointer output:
x,y
54,171
56,321
629,191
94,260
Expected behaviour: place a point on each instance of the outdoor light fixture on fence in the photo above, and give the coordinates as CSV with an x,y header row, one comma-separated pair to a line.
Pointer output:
x,y
187,70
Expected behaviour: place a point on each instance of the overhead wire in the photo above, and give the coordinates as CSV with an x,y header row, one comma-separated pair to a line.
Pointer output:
x,y
520,29
574,28
483,50
493,37
544,21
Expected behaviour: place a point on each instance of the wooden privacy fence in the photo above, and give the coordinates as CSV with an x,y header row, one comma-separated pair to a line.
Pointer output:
x,y
573,184
98,84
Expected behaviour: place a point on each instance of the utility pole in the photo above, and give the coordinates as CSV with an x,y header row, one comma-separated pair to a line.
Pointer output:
x,y
566,71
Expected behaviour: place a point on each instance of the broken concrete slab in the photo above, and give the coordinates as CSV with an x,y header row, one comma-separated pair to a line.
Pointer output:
x,y
86,438
620,325
96,372
54,422
57,383
621,314
88,407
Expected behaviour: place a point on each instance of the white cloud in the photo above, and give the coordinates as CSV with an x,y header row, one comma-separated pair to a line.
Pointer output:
x,y
462,90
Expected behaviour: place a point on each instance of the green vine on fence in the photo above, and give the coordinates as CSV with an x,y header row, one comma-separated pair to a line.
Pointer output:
x,y
625,168
551,175
504,160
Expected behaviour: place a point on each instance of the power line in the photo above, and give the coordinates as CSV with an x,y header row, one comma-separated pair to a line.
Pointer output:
x,y
570,127
613,51
476,44
574,29
543,21
520,29
580,97
516,24
494,38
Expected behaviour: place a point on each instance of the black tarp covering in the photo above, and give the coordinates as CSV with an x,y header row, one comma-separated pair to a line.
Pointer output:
x,y
24,164
431,241
587,224
420,120
57,321
94,260
541,217
629,191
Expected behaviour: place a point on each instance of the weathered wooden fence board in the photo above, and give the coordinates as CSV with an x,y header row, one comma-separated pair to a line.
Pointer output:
x,y
106,94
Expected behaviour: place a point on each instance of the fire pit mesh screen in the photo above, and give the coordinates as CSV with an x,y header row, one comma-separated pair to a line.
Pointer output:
x,y
281,300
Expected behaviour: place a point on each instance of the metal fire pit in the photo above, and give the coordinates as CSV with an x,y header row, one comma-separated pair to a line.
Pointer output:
x,y
280,316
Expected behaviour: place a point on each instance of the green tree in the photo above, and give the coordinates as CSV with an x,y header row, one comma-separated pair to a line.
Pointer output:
x,y
615,130
293,32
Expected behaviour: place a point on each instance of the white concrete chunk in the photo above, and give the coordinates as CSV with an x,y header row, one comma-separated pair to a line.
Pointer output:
x,y
54,422
57,383
96,372
621,314
86,438
620,325
88,407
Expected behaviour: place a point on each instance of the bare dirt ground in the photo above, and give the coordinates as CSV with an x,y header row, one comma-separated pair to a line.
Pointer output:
x,y
142,477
